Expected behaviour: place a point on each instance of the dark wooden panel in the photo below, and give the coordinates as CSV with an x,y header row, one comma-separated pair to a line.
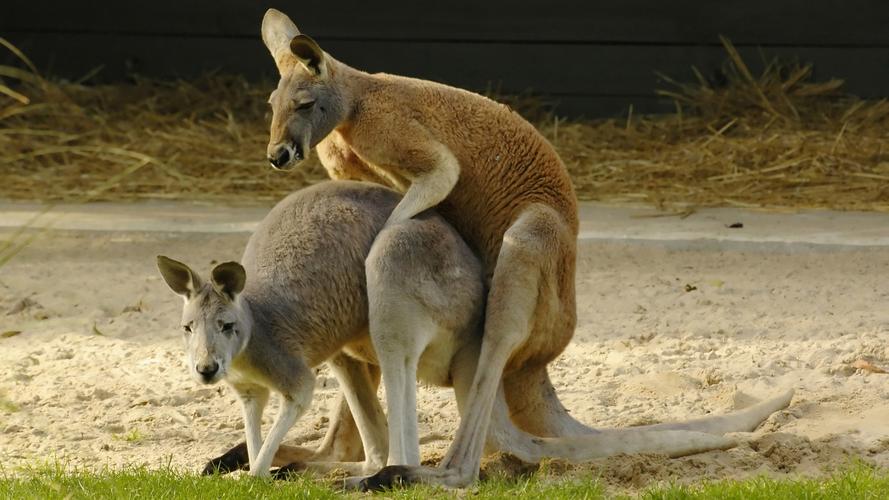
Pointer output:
x,y
606,106
614,70
760,22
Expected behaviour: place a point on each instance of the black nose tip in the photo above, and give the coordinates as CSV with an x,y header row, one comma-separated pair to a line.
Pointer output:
x,y
208,370
280,158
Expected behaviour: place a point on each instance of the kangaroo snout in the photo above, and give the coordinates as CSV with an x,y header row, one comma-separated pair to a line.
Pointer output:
x,y
283,156
207,371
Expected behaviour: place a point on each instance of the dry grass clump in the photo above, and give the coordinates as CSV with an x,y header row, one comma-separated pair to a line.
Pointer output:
x,y
197,140
776,140
773,140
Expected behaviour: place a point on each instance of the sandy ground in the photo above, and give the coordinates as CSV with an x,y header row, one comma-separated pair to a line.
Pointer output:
x,y
666,331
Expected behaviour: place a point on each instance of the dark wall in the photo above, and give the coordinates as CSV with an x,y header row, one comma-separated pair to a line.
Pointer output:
x,y
592,58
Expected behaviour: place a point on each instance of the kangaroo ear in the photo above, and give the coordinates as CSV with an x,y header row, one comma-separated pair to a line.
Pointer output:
x,y
308,53
277,31
229,278
179,277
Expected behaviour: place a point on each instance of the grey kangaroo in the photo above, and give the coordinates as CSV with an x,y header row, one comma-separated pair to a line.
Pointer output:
x,y
301,296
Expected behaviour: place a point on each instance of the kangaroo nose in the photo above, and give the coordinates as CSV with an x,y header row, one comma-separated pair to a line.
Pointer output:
x,y
208,370
280,157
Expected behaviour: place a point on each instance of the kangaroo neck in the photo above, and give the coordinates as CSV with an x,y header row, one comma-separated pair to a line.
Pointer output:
x,y
350,84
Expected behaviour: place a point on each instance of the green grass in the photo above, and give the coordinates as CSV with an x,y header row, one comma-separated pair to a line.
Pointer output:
x,y
7,405
134,436
859,483
55,482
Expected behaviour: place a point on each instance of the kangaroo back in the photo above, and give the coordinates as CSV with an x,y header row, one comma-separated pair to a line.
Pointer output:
x,y
305,264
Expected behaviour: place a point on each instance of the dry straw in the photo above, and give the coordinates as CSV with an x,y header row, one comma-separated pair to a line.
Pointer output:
x,y
773,140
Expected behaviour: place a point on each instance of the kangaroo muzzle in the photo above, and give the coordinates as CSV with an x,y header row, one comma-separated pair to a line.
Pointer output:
x,y
283,156
207,371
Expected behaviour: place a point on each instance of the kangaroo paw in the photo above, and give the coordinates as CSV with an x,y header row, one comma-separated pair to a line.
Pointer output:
x,y
392,476
284,472
230,461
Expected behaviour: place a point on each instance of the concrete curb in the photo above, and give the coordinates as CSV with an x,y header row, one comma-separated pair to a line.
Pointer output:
x,y
706,228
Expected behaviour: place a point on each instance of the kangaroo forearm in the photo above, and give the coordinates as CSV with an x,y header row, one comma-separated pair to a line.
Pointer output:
x,y
427,190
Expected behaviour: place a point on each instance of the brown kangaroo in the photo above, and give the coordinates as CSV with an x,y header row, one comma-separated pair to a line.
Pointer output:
x,y
498,182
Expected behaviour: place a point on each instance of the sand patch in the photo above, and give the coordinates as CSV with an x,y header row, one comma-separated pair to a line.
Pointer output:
x,y
95,376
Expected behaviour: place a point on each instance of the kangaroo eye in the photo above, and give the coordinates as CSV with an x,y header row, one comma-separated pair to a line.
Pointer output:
x,y
228,327
305,105
187,328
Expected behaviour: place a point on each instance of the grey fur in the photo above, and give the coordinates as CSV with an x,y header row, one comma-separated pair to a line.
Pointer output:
x,y
305,300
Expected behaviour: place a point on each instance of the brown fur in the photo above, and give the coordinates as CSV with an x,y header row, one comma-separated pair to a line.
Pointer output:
x,y
392,130
491,175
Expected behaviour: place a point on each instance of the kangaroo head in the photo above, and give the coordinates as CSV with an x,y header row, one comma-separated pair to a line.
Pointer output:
x,y
307,104
215,322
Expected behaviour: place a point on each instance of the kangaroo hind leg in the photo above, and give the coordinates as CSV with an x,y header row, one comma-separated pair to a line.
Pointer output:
x,y
526,264
424,289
